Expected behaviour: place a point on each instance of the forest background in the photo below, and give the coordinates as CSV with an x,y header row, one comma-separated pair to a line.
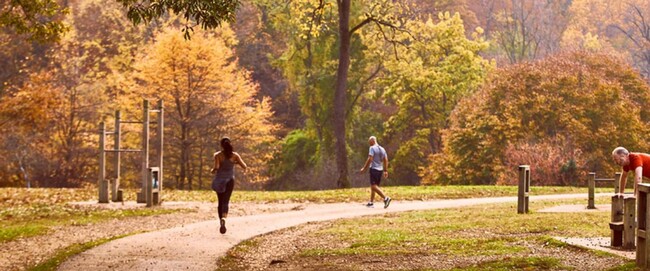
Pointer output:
x,y
458,92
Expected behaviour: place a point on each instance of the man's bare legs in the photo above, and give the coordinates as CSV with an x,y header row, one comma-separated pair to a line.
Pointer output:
x,y
375,189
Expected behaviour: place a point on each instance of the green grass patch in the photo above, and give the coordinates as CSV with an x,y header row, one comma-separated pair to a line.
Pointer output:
x,y
54,262
519,263
36,219
12,232
631,266
553,242
242,248
493,229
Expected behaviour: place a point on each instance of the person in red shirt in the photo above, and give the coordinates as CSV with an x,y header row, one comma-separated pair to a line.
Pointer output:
x,y
635,161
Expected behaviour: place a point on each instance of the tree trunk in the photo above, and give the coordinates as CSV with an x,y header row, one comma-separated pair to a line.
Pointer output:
x,y
184,155
340,93
201,166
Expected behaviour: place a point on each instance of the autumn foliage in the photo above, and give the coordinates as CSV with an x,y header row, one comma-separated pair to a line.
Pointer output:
x,y
562,115
417,79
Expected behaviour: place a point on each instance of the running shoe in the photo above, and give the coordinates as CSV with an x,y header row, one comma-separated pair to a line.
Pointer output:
x,y
370,205
387,202
222,229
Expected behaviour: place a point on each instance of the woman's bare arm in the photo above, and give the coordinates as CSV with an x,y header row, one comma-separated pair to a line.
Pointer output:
x,y
240,161
216,163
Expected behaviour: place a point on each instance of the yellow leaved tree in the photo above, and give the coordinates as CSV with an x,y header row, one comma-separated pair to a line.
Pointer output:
x,y
207,96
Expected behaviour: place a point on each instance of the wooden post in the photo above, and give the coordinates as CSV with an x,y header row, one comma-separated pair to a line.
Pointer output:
x,y
617,181
524,187
116,159
145,151
592,188
642,251
153,181
527,189
101,182
629,222
616,224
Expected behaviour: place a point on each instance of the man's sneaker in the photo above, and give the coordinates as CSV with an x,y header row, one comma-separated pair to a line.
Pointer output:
x,y
387,202
370,205
222,229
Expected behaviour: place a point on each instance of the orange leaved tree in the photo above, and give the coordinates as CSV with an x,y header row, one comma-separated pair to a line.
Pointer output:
x,y
566,113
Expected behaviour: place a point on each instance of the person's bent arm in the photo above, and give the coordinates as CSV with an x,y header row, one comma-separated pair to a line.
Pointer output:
x,y
216,163
638,178
241,162
622,182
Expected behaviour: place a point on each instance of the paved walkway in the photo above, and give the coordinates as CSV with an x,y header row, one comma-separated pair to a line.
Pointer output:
x,y
199,246
599,243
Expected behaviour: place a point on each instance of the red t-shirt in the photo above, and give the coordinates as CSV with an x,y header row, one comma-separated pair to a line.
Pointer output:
x,y
639,160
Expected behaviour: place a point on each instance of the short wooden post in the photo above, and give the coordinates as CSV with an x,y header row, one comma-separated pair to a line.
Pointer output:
x,y
629,222
592,188
152,186
524,188
642,251
616,224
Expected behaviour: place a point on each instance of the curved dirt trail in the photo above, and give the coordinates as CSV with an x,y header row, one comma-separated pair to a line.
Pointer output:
x,y
198,246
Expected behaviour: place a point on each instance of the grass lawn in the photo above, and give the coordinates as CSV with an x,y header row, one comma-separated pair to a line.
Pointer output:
x,y
484,237
29,212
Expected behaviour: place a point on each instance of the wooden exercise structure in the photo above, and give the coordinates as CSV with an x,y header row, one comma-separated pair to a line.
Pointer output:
x,y
623,223
149,194
642,243
591,183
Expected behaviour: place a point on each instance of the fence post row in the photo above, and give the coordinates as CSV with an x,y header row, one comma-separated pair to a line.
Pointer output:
x,y
591,184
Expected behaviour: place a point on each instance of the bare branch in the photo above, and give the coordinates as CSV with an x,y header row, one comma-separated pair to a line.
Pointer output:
x,y
360,25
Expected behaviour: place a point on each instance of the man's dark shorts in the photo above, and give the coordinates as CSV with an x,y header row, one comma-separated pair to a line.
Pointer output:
x,y
375,176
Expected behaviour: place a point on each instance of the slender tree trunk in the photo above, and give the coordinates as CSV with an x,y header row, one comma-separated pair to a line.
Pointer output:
x,y
340,93
183,160
201,166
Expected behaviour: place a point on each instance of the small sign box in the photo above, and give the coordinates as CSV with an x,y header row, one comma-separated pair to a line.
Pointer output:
x,y
153,192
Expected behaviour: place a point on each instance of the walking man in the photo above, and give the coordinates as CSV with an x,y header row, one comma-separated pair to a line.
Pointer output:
x,y
378,163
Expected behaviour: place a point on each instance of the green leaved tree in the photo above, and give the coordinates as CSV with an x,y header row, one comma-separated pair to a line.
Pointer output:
x,y
426,79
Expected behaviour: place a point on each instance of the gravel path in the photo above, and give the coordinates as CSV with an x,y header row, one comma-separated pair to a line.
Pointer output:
x,y
198,246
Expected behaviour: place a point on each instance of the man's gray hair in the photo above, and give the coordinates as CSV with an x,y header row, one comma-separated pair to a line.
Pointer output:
x,y
373,138
620,151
